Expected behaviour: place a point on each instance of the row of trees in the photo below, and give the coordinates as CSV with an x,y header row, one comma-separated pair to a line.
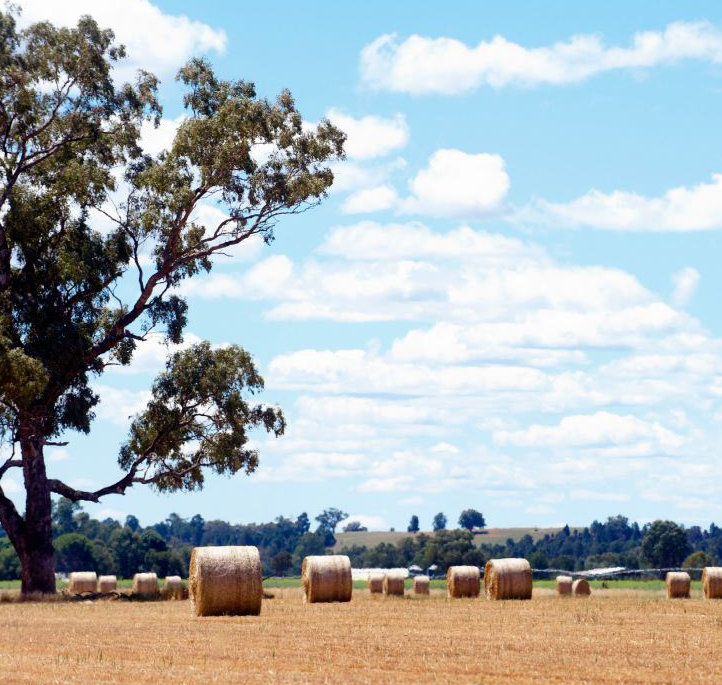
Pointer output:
x,y
469,519
616,542
81,542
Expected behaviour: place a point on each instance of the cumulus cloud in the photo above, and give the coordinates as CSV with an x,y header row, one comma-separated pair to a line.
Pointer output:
x,y
622,434
420,65
156,41
458,184
680,209
685,285
371,136
376,199
371,521
119,405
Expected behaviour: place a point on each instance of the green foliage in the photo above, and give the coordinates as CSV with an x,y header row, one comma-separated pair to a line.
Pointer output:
x,y
439,522
471,518
67,135
413,526
329,518
9,561
199,400
699,559
74,552
354,527
282,562
309,544
538,559
665,544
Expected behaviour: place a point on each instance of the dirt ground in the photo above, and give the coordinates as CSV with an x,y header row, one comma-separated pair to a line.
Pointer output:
x,y
613,637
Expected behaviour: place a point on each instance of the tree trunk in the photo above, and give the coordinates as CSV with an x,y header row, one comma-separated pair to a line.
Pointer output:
x,y
35,547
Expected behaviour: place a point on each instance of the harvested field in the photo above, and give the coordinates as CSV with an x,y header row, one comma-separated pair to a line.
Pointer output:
x,y
620,637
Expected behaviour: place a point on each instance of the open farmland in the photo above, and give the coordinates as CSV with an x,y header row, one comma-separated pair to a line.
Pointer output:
x,y
491,536
614,637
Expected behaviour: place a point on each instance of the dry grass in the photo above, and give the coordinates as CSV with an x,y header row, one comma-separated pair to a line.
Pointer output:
x,y
624,638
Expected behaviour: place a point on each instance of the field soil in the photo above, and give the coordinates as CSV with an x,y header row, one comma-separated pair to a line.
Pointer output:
x,y
491,536
616,636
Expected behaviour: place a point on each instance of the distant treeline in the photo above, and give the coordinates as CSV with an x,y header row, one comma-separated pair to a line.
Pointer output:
x,y
83,543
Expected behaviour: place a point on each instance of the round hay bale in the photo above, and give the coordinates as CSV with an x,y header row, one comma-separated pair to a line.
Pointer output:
x,y
145,585
172,588
107,584
376,583
678,584
421,585
712,582
327,578
226,581
463,581
82,581
394,584
564,585
580,588
507,579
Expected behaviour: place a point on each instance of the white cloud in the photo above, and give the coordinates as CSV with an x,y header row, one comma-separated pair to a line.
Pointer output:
x,y
371,521
370,136
421,65
150,356
10,486
376,199
155,41
414,500
118,405
685,285
156,139
680,209
458,184
603,430
369,240
56,454
103,514
596,496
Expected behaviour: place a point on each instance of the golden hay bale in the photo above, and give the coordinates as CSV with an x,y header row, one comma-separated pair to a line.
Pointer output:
x,y
107,584
564,585
376,583
82,581
712,582
394,584
507,579
463,581
678,584
421,585
580,588
172,588
327,578
226,581
145,585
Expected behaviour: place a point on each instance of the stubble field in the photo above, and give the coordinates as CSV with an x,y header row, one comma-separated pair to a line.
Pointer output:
x,y
617,636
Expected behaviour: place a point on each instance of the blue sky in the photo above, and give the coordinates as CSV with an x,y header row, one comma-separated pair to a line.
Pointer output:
x,y
510,299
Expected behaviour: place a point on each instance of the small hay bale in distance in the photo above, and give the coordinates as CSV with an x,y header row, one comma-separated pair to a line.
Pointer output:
x,y
145,585
226,581
580,588
421,585
394,584
564,585
712,582
463,581
172,588
327,578
82,581
678,584
376,583
507,579
107,584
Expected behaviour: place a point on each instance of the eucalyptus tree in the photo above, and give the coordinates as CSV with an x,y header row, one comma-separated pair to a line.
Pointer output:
x,y
75,299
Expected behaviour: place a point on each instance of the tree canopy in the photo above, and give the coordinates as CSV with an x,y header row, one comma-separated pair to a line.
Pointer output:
x,y
96,237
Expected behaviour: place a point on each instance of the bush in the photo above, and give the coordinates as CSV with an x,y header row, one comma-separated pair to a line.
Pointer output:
x,y
699,560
